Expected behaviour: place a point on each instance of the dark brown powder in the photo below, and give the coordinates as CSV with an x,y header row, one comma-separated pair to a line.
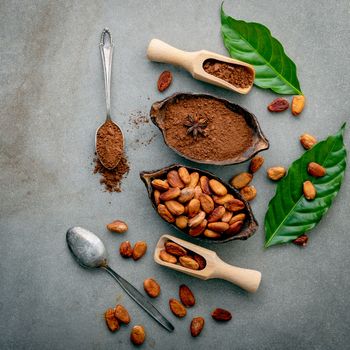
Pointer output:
x,y
111,179
109,144
227,133
236,75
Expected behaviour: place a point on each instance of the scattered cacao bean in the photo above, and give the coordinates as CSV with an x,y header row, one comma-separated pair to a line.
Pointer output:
x,y
309,190
301,240
122,314
111,320
117,226
276,173
139,250
221,315
137,335
298,104
248,193
125,249
177,308
278,105
151,287
307,141
255,164
316,170
186,296
196,326
241,180
164,80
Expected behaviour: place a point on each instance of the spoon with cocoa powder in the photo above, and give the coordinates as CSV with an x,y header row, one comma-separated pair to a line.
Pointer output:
x,y
109,139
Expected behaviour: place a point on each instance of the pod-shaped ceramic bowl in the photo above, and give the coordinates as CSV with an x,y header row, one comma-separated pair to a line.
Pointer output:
x,y
250,224
258,142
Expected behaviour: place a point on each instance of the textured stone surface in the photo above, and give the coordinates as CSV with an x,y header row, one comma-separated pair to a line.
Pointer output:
x,y
52,100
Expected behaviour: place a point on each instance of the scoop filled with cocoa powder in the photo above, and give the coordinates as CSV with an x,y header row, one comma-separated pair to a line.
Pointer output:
x,y
207,66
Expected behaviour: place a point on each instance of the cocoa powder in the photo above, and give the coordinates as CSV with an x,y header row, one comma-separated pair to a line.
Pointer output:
x,y
239,76
227,134
111,179
109,144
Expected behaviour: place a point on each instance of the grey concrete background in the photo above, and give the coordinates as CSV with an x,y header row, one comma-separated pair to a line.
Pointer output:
x,y
52,100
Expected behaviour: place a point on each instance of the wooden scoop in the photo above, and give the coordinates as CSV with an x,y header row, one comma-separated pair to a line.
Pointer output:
x,y
159,51
215,267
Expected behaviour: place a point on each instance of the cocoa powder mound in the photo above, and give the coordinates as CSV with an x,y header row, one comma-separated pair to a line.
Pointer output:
x,y
111,179
227,134
236,75
109,143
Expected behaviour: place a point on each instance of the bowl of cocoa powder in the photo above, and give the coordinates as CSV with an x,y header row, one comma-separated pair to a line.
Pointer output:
x,y
207,129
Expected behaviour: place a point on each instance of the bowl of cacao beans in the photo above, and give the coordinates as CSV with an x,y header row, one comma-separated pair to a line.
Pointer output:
x,y
199,204
207,129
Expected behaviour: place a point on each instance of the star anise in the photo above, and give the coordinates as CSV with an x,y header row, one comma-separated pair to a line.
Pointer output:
x,y
196,126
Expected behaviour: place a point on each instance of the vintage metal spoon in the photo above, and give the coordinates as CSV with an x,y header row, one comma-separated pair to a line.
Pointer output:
x,y
106,49
90,252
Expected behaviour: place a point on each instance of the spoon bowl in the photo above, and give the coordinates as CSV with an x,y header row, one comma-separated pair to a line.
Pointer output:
x,y
87,249
160,51
106,49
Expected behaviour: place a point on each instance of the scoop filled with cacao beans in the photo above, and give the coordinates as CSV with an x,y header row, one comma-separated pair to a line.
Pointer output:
x,y
199,204
183,256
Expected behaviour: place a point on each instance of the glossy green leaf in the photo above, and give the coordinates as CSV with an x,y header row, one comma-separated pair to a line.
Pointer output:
x,y
254,44
289,214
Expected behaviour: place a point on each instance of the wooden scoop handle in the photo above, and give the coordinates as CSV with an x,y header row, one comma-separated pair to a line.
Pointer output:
x,y
159,51
247,279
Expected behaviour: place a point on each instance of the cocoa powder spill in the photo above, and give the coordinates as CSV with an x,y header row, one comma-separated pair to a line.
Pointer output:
x,y
111,179
226,133
236,75
109,144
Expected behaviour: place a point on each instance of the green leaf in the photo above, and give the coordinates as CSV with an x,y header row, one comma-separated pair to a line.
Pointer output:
x,y
254,44
289,214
